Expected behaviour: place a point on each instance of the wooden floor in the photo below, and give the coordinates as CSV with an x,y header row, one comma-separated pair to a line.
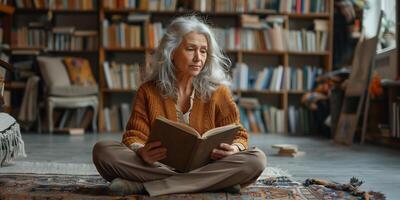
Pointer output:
x,y
378,167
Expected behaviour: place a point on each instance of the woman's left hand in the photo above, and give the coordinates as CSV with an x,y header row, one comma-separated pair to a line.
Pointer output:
x,y
223,151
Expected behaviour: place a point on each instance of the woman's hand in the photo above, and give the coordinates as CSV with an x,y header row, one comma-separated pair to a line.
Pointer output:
x,y
224,150
152,152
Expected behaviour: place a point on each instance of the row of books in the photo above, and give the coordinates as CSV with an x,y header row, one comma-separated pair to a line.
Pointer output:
x,y
69,39
116,117
275,38
232,6
198,5
150,5
293,78
302,79
282,6
300,120
268,79
29,37
59,38
134,31
74,118
56,4
275,78
132,35
125,31
155,33
122,35
265,119
249,39
302,6
307,41
122,75
126,35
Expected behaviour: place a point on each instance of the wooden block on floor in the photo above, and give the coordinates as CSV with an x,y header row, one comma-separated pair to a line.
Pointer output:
x,y
70,131
289,150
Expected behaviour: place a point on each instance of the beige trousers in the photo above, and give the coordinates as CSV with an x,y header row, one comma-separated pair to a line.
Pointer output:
x,y
114,159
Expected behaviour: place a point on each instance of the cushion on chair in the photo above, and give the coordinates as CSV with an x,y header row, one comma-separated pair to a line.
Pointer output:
x,y
79,71
53,71
73,90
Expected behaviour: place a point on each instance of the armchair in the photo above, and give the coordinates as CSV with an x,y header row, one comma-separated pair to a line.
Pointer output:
x,y
11,143
60,92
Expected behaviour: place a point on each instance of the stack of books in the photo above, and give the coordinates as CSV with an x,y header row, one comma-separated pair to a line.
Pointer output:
x,y
289,150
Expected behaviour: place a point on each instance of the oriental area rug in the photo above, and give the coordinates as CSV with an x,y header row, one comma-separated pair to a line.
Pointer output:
x,y
56,186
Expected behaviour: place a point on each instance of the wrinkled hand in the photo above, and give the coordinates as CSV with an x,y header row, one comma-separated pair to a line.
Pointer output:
x,y
223,151
152,152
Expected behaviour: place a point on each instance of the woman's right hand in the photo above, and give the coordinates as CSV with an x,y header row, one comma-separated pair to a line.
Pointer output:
x,y
152,152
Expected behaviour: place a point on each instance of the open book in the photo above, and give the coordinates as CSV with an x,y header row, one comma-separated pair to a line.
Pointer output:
x,y
186,149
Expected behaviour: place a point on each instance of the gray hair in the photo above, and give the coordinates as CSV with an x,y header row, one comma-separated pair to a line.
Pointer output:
x,y
214,72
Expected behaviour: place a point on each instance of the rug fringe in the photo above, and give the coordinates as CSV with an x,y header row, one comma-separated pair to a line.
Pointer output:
x,y
50,168
274,172
12,145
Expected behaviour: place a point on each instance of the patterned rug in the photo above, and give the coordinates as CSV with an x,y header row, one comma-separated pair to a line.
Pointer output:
x,y
24,186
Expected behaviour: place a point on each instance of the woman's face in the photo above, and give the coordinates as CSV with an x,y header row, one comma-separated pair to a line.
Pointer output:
x,y
190,56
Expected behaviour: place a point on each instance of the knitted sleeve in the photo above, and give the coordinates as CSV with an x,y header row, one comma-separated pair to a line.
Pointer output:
x,y
228,113
138,126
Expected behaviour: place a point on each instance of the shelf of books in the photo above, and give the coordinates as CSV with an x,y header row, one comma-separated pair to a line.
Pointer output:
x,y
53,28
277,49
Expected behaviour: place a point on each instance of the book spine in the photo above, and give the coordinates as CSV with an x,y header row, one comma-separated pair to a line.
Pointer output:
x,y
193,154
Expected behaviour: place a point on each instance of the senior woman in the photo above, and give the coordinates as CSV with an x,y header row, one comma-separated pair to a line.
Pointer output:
x,y
188,84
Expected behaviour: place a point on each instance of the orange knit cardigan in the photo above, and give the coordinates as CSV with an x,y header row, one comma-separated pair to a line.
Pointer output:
x,y
148,104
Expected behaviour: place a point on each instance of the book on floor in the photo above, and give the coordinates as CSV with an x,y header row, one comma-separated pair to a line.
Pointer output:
x,y
186,148
70,131
289,150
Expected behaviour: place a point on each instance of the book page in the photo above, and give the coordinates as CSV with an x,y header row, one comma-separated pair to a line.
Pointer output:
x,y
203,151
217,130
181,126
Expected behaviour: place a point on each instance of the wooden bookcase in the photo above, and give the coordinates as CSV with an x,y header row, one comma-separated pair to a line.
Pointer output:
x,y
225,19
286,58
382,118
29,14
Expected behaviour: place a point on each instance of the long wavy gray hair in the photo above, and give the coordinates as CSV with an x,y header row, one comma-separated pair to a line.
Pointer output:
x,y
214,72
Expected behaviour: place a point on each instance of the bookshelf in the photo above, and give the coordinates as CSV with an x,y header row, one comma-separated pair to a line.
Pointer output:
x,y
223,14
142,23
383,125
383,122
35,29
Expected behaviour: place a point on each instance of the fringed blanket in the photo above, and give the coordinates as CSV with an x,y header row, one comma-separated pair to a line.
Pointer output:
x,y
11,143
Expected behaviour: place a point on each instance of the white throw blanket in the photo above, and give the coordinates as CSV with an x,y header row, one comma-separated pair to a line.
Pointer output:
x,y
11,143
